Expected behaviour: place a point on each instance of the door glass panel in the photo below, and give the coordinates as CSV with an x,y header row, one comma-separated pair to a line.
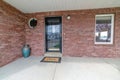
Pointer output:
x,y
53,37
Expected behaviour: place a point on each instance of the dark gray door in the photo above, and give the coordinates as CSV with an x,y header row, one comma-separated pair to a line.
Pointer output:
x,y
53,30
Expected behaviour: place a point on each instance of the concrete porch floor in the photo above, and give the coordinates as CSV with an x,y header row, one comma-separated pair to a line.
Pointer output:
x,y
70,68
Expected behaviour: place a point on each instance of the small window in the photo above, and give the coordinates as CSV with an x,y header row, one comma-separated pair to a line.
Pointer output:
x,y
32,23
104,29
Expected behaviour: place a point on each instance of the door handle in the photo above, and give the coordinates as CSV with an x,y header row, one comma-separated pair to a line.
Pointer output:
x,y
60,34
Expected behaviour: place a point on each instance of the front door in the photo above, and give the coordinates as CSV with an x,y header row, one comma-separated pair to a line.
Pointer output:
x,y
53,30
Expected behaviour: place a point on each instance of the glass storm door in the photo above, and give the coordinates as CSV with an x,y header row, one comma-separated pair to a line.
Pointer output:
x,y
53,34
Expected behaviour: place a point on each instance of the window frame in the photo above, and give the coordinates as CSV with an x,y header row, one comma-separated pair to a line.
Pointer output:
x,y
112,28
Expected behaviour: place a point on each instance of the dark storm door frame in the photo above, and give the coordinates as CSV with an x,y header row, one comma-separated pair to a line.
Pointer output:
x,y
46,44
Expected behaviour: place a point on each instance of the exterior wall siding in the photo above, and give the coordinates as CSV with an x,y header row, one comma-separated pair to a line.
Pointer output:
x,y
12,33
77,33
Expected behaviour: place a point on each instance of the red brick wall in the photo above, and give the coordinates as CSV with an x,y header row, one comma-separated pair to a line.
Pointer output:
x,y
12,33
78,33
35,37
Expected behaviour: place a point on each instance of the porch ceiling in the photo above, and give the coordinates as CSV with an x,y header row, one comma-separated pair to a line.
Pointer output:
x,y
31,6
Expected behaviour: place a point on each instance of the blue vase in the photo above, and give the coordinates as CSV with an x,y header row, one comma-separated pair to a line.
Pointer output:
x,y
26,51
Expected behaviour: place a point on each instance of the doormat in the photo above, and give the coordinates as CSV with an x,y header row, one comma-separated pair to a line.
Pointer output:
x,y
51,59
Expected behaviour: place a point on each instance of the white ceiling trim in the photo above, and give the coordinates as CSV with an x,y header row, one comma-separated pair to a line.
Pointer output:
x,y
32,6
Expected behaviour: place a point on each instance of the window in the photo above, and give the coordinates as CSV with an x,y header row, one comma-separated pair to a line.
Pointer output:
x,y
104,29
